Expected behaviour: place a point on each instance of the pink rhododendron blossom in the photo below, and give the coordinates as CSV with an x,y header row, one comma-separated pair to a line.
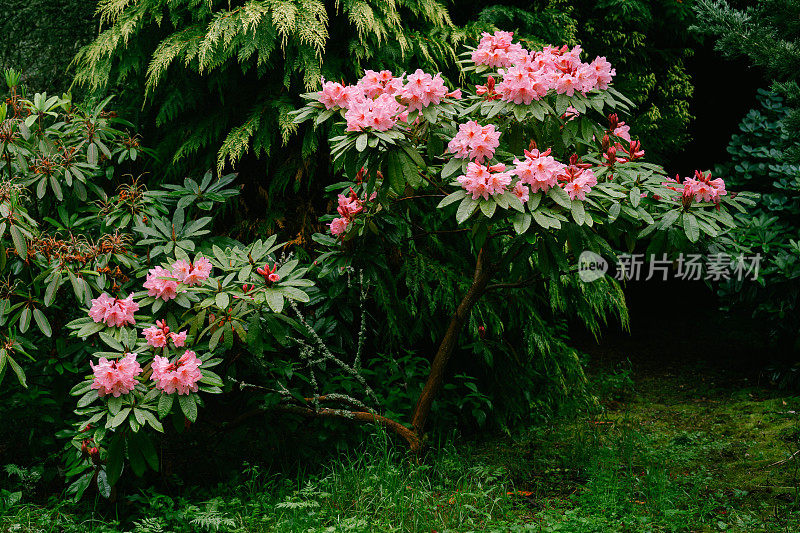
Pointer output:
x,y
521,191
701,188
159,335
349,206
474,141
578,179
497,50
540,170
422,89
528,76
156,336
114,312
333,94
338,225
379,114
482,181
578,187
374,84
192,273
115,377
181,376
178,339
161,283
623,131
603,72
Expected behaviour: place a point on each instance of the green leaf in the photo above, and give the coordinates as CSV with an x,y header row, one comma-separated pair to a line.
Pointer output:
x,y
465,209
103,486
396,171
25,320
451,167
17,370
188,406
488,207
578,212
452,197
613,212
165,402
361,142
522,221
223,300
52,289
20,244
274,300
119,418
560,196
669,218
690,227
111,341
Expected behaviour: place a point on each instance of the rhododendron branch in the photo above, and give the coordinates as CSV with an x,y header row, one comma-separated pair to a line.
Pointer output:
x,y
511,285
358,416
328,355
484,271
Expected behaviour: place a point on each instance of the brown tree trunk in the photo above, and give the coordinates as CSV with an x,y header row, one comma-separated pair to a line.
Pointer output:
x,y
483,273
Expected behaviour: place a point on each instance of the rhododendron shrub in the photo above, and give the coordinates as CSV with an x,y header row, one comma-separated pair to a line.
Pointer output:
x,y
155,301
159,354
521,170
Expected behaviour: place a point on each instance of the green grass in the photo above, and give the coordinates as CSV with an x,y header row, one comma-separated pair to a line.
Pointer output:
x,y
676,454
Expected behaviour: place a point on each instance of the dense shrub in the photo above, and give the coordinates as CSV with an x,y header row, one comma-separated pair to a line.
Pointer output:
x,y
759,163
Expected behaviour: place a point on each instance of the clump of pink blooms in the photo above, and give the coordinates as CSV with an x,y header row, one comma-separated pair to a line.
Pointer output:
x,y
578,179
380,100
114,312
181,376
192,273
497,50
159,335
700,188
529,75
349,206
163,283
474,141
115,377
483,181
539,170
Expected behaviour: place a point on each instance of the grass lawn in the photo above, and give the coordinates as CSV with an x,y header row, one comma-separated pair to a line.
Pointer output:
x,y
669,449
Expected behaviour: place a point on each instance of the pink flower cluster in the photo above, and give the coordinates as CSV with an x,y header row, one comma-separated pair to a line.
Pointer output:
x,y
578,182
159,335
349,207
115,377
114,312
474,141
539,170
379,114
163,283
701,188
181,376
483,181
497,50
528,76
380,100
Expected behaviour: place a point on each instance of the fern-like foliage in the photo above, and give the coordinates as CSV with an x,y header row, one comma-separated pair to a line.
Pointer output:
x,y
218,78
